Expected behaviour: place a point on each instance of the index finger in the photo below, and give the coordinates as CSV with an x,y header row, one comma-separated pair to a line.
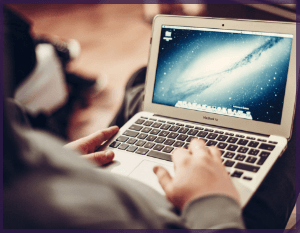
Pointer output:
x,y
197,146
96,139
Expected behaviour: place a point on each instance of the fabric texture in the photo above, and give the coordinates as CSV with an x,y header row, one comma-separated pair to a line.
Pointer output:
x,y
58,189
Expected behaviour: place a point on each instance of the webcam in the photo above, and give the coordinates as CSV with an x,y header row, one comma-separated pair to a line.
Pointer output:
x,y
222,25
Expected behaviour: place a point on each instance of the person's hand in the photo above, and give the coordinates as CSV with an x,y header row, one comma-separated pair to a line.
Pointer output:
x,y
199,172
89,144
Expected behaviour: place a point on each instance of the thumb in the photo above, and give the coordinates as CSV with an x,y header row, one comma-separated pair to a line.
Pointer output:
x,y
164,178
100,157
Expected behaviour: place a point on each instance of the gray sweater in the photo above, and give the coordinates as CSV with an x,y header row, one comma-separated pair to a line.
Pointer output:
x,y
61,190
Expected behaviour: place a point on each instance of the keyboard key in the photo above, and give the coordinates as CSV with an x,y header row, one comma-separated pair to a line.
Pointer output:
x,y
169,142
253,152
212,136
174,128
240,136
229,155
253,144
162,121
178,144
263,157
114,144
247,167
186,145
183,130
182,137
242,149
122,139
222,138
158,147
130,133
229,134
240,157
237,174
131,140
142,136
155,131
252,138
164,133
165,126
136,127
152,119
151,138
222,152
261,140
156,125
242,142
123,146
190,138
209,130
232,140
140,121
193,132
232,147
160,155
144,117
247,178
149,145
179,124
273,142
173,135
168,149
171,122
211,143
148,123
146,129
189,126
141,151
265,146
140,143
251,159
229,163
219,132
131,148
222,145
202,134
160,140
199,128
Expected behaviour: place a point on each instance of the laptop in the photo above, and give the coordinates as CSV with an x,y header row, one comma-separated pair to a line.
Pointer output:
x,y
230,82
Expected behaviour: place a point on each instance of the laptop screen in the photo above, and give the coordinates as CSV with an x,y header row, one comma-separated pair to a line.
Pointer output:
x,y
234,73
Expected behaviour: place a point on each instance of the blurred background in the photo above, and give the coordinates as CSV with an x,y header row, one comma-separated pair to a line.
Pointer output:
x,y
114,42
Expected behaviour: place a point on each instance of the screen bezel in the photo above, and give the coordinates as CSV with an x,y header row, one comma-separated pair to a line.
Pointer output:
x,y
284,129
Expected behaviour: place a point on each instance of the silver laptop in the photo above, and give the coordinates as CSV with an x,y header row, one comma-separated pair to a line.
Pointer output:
x,y
230,82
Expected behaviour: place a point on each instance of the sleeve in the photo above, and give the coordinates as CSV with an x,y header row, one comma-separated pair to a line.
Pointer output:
x,y
213,212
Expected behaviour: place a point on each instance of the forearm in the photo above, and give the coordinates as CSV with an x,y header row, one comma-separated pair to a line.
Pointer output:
x,y
213,212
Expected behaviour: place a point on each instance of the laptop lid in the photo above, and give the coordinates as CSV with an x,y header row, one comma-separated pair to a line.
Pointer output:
x,y
237,74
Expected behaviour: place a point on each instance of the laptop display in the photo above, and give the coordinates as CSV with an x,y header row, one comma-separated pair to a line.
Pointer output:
x,y
234,73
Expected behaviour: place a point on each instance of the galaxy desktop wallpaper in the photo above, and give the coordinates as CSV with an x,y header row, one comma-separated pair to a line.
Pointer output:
x,y
228,71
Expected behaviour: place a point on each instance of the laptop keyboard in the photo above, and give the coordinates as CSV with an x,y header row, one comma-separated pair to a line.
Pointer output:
x,y
158,138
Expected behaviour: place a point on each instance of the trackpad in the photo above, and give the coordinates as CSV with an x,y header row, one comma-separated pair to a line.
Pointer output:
x,y
144,173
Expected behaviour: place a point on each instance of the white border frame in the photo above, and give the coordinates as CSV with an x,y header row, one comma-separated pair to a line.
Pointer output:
x,y
284,129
